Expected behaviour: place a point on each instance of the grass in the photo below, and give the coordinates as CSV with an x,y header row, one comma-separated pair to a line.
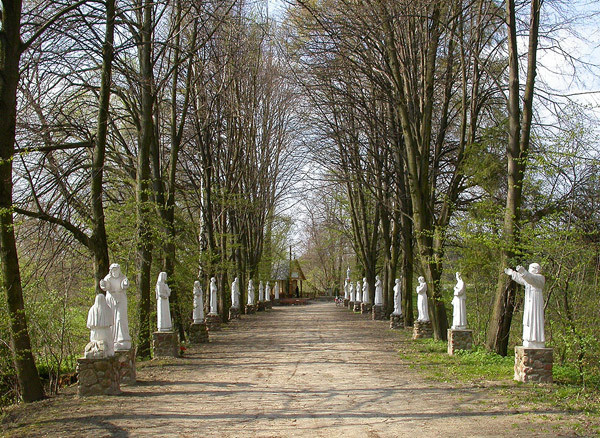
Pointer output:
x,y
479,367
432,358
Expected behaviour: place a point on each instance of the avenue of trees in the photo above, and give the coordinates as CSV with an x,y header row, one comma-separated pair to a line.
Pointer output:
x,y
156,135
180,136
441,150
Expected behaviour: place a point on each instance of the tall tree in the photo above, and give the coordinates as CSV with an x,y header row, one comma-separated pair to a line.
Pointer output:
x,y
144,180
517,151
11,49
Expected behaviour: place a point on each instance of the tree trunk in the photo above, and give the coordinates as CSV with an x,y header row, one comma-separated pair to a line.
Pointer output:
x,y
144,209
10,55
98,240
519,131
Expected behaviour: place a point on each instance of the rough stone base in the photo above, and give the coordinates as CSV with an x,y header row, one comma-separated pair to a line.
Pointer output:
x,y
276,302
261,306
198,333
268,305
234,313
213,322
126,366
533,364
396,321
165,344
378,313
422,330
366,308
357,306
459,339
250,308
346,302
98,376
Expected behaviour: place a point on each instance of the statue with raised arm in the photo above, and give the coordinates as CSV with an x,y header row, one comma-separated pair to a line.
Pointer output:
x,y
348,274
358,297
115,285
198,303
250,293
276,291
459,316
378,291
213,296
163,311
422,306
533,305
365,291
261,291
267,292
397,298
235,293
100,321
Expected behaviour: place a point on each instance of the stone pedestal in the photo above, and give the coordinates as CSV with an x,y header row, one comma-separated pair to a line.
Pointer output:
x,y
234,313
165,344
268,305
126,366
250,308
366,308
459,339
378,313
346,302
422,330
533,364
98,376
261,306
356,307
276,302
396,322
213,322
198,333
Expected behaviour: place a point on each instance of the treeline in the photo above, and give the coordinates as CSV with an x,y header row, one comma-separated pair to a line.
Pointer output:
x,y
442,152
157,135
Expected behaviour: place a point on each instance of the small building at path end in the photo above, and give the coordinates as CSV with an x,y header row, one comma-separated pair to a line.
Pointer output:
x,y
289,275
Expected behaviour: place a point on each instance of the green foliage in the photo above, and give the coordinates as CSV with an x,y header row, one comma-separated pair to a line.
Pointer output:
x,y
470,366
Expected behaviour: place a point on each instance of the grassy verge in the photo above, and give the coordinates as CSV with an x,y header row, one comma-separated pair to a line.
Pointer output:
x,y
482,368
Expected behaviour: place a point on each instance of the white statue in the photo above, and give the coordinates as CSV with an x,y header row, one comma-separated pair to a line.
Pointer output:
x,y
346,287
422,300
100,321
348,274
163,311
378,292
357,298
213,296
198,303
365,291
397,298
459,316
235,293
250,293
267,292
351,293
261,291
115,285
533,305
276,290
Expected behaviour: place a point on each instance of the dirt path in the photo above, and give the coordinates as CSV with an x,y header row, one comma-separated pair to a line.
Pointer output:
x,y
314,371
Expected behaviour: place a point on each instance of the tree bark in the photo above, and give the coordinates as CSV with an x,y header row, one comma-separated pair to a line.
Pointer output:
x,y
98,240
519,131
10,55
143,187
